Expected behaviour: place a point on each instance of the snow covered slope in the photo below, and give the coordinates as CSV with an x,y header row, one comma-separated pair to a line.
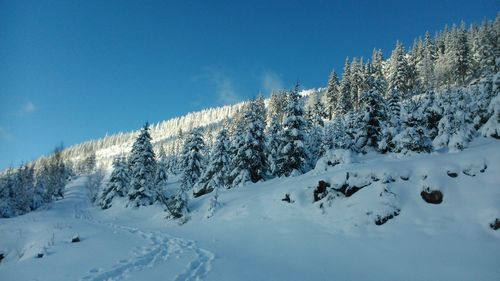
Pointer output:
x,y
254,235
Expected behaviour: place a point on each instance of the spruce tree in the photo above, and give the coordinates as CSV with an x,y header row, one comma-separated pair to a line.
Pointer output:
x,y
273,144
484,50
23,189
373,116
463,54
315,111
276,106
331,95
335,135
413,135
143,167
7,179
192,159
455,128
376,72
161,176
425,67
249,160
344,103
217,172
399,74
118,183
356,83
56,174
177,206
292,152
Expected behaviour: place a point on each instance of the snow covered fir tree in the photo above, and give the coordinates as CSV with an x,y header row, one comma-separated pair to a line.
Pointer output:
x,y
371,130
143,167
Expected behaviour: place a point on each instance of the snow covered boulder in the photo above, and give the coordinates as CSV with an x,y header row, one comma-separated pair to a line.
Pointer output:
x,y
404,175
333,158
353,184
320,191
472,170
452,173
383,219
75,239
432,196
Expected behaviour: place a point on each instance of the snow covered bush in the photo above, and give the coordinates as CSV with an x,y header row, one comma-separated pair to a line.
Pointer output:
x,y
334,157
455,129
413,136
492,126
177,206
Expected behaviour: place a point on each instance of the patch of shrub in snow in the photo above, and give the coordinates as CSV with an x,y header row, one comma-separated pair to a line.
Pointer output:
x,y
334,157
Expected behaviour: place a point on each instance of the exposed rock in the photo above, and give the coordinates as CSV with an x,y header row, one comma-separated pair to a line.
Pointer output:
x,y
469,172
432,197
2,256
405,178
473,169
381,220
75,239
320,191
495,225
452,174
353,183
202,191
484,168
374,177
39,255
349,190
332,163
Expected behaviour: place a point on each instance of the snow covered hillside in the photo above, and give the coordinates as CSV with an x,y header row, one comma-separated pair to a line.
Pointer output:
x,y
371,223
389,173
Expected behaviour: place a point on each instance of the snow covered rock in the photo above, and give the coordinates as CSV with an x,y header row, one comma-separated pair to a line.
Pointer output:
x,y
75,239
333,158
320,191
432,196
452,174
472,170
383,219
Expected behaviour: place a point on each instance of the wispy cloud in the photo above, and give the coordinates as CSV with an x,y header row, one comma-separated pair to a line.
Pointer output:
x,y
224,87
27,108
271,81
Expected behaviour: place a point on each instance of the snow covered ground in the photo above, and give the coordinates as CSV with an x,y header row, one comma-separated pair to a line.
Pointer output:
x,y
255,235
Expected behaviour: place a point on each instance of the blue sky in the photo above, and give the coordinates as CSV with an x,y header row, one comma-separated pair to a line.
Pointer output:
x,y
75,70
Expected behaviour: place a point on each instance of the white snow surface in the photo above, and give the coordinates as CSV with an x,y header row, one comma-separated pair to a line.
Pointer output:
x,y
253,235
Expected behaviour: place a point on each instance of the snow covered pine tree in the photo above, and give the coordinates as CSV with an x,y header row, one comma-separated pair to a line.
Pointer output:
x,y
142,170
